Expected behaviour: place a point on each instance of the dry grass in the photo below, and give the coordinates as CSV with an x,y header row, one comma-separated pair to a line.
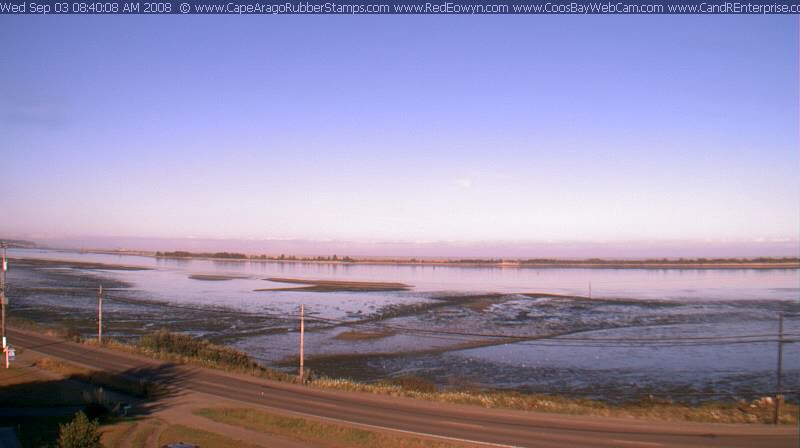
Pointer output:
x,y
355,335
26,387
178,433
98,378
247,368
114,435
215,277
756,411
16,376
143,431
316,433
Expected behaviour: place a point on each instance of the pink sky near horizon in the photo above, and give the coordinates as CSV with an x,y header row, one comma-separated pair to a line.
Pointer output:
x,y
477,249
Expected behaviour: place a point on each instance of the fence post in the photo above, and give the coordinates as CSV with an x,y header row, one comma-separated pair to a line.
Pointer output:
x,y
779,378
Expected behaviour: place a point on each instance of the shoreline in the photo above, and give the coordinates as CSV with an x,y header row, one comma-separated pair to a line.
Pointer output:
x,y
642,265
759,263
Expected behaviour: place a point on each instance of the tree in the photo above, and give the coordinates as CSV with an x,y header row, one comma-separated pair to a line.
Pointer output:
x,y
79,433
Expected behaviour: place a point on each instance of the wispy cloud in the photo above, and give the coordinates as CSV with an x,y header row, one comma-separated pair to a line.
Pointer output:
x,y
462,183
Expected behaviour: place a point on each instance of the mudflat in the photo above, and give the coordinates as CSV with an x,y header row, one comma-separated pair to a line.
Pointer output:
x,y
334,285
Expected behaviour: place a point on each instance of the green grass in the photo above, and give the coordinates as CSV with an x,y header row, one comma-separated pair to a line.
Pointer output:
x,y
178,433
315,433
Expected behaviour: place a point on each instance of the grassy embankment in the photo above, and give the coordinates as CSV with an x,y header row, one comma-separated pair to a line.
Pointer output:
x,y
27,388
119,383
198,437
185,349
316,433
170,345
73,389
45,400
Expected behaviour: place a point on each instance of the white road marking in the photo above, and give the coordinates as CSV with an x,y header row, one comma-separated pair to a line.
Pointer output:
x,y
367,425
465,425
637,443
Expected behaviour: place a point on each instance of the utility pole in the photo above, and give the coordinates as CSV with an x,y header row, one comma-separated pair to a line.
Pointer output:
x,y
590,289
100,315
779,382
3,299
302,334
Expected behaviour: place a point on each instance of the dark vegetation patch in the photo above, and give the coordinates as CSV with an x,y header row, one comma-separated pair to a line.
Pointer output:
x,y
31,262
184,254
216,277
185,345
335,285
355,335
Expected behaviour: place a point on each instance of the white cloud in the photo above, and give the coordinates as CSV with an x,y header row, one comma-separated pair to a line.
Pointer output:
x,y
462,183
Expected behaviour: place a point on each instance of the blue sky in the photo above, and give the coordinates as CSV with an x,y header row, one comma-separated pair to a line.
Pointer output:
x,y
430,129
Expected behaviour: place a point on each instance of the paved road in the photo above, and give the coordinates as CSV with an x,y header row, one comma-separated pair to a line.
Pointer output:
x,y
469,423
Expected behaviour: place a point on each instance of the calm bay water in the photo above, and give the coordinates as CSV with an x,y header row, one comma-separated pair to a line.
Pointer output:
x,y
171,276
627,303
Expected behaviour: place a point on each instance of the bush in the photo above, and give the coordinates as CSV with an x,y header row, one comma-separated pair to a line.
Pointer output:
x,y
200,349
413,383
98,406
79,433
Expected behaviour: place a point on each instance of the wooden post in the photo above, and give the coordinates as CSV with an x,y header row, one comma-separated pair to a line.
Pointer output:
x,y
100,315
302,334
3,300
779,379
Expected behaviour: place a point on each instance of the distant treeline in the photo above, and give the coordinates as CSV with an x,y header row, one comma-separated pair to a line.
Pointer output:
x,y
238,256
483,261
595,261
19,244
183,254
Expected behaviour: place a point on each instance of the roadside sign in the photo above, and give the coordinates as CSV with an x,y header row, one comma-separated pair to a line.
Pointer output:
x,y
10,355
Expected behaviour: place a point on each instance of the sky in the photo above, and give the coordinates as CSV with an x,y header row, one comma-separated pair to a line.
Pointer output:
x,y
383,131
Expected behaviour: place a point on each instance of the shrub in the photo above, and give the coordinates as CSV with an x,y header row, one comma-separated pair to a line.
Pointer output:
x,y
413,383
201,349
79,433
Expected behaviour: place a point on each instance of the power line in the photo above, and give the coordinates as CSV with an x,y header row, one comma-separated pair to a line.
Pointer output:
x,y
535,339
